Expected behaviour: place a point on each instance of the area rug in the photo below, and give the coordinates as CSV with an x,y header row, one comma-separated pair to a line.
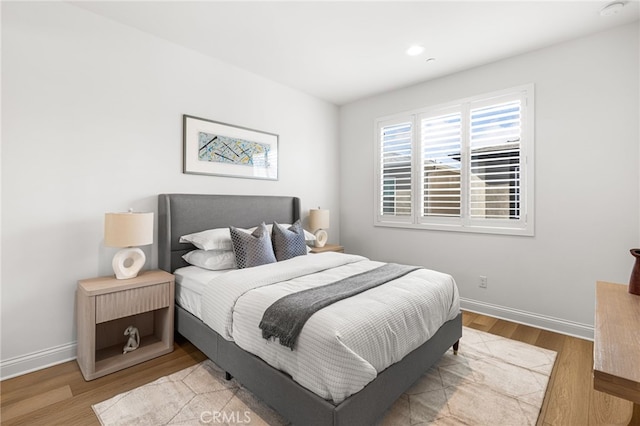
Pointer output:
x,y
492,381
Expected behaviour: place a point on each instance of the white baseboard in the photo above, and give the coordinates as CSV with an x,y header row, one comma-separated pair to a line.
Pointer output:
x,y
34,361
583,331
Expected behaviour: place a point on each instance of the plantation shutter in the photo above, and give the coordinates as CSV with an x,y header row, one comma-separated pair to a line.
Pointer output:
x,y
441,141
466,165
395,169
494,160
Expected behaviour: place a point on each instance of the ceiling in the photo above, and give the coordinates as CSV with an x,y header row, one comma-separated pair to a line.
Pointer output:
x,y
341,51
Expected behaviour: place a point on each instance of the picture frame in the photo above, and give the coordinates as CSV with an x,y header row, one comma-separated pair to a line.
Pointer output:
x,y
220,149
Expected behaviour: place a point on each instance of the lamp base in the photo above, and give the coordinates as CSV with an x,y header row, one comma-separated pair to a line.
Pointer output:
x,y
128,262
321,237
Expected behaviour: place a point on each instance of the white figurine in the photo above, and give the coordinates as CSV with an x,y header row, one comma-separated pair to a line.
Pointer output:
x,y
134,339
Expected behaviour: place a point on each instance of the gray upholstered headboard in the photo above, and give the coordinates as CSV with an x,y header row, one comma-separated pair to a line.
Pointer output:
x,y
182,214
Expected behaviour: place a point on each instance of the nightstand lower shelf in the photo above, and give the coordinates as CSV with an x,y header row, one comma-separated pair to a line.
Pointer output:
x,y
111,359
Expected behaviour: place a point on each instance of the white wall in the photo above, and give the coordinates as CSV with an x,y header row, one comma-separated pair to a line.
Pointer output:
x,y
92,123
587,184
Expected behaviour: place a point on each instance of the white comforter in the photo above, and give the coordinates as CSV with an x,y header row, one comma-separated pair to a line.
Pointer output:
x,y
345,345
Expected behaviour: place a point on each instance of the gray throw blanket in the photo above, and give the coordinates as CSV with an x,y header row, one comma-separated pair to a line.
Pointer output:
x,y
285,318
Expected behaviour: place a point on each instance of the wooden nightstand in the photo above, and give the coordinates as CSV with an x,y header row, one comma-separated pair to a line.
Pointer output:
x,y
328,247
107,306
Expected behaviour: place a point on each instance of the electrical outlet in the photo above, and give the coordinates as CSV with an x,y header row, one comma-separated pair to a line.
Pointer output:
x,y
483,281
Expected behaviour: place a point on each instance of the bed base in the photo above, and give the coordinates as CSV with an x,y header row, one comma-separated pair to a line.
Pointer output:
x,y
299,405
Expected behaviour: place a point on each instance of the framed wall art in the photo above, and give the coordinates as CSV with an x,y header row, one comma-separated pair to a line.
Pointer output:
x,y
214,148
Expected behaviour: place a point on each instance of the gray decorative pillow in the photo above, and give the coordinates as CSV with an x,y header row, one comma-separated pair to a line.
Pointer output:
x,y
288,243
252,249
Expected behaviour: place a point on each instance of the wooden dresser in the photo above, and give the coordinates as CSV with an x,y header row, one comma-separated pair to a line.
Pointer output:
x,y
616,348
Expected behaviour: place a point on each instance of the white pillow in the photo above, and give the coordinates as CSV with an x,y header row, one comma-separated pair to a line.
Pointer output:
x,y
211,239
308,236
214,260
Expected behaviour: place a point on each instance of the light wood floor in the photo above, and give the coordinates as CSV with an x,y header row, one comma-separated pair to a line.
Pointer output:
x,y
60,396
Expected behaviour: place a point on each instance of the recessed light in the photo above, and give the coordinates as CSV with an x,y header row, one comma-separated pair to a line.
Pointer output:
x,y
415,50
612,8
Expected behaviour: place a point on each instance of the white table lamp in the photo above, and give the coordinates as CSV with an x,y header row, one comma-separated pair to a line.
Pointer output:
x,y
128,230
319,222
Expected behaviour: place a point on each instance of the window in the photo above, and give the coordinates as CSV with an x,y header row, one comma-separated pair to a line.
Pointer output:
x,y
463,166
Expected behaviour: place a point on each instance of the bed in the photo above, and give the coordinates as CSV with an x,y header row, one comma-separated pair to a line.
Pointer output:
x,y
182,214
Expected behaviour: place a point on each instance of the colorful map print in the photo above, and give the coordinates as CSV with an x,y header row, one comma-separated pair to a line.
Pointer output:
x,y
223,149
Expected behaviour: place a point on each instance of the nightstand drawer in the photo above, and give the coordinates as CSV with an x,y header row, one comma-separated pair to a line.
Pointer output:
x,y
131,302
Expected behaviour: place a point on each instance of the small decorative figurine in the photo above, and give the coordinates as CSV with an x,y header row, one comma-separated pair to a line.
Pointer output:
x,y
134,339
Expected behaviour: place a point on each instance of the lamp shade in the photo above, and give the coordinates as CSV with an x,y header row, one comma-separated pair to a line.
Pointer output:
x,y
128,229
318,219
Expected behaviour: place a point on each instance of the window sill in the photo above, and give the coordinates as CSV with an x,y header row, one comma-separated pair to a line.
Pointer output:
x,y
522,232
